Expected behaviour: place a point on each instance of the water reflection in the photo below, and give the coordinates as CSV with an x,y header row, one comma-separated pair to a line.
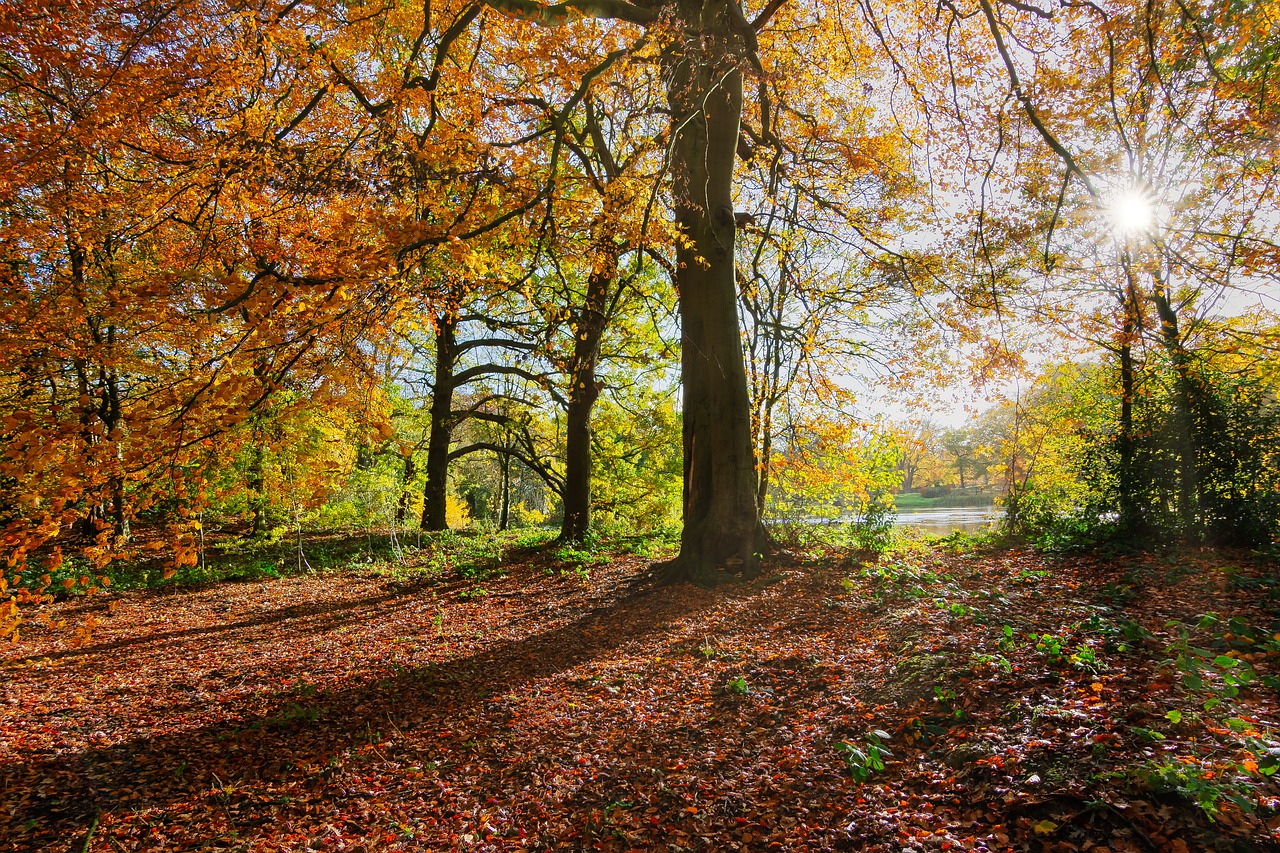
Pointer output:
x,y
940,522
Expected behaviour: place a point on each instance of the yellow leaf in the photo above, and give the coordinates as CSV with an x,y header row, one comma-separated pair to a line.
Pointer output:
x,y
1045,827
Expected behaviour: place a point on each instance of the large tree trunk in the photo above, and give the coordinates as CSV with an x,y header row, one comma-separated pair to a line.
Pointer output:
x,y
722,529
583,393
435,492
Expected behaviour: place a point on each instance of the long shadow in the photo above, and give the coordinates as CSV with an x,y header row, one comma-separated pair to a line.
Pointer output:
x,y
269,617
52,798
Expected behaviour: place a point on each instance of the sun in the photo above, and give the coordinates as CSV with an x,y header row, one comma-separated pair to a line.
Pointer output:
x,y
1131,212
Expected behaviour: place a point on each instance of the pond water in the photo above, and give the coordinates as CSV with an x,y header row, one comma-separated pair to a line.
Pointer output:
x,y
940,522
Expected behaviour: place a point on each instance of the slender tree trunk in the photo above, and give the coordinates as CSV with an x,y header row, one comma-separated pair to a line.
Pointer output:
x,y
435,492
113,422
766,454
95,514
93,520
1184,400
722,529
583,393
504,514
1128,483
257,486
768,391
406,481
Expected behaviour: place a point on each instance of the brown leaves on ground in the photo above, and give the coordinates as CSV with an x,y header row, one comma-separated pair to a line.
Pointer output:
x,y
551,711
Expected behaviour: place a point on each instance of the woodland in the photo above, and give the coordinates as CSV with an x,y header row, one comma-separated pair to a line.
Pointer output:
x,y
481,425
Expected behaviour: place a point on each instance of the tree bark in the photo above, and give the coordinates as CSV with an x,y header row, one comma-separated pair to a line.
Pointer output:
x,y
722,528
1128,484
504,514
588,331
406,480
113,423
1185,397
435,492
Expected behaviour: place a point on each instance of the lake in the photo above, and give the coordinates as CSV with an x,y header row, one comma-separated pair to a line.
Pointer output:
x,y
941,521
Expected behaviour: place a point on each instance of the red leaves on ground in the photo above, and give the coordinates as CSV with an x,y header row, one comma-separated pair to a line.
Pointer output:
x,y
358,713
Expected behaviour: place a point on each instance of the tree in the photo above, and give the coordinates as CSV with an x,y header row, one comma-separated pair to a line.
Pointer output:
x,y
1127,160
598,251
705,47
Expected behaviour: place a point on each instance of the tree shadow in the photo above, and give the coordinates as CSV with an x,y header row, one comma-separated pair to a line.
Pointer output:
x,y
292,612
296,736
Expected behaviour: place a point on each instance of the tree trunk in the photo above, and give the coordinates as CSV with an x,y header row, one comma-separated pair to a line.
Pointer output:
x,y
766,454
113,422
255,481
1127,475
1185,397
435,492
406,481
504,514
583,393
722,528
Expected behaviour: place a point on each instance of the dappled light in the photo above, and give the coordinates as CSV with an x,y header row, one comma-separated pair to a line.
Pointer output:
x,y
746,425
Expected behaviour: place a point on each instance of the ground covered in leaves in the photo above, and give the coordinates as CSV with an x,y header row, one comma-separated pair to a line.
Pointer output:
x,y
933,700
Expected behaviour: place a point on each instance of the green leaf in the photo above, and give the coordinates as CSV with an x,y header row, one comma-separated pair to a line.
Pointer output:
x,y
1174,717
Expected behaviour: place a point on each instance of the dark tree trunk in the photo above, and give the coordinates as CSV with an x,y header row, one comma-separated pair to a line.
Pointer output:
x,y
583,392
504,514
94,521
113,422
256,483
435,492
406,481
1185,397
722,529
1128,483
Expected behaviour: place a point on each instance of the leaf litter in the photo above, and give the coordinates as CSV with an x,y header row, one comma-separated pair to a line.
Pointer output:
x,y
988,701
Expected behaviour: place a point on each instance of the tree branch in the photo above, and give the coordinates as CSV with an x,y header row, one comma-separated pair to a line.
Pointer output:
x,y
1016,83
560,13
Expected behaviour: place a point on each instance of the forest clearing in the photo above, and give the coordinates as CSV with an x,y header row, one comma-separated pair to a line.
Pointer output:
x,y
949,697
457,425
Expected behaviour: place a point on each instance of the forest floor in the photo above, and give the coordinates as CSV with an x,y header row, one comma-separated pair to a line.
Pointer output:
x,y
937,699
